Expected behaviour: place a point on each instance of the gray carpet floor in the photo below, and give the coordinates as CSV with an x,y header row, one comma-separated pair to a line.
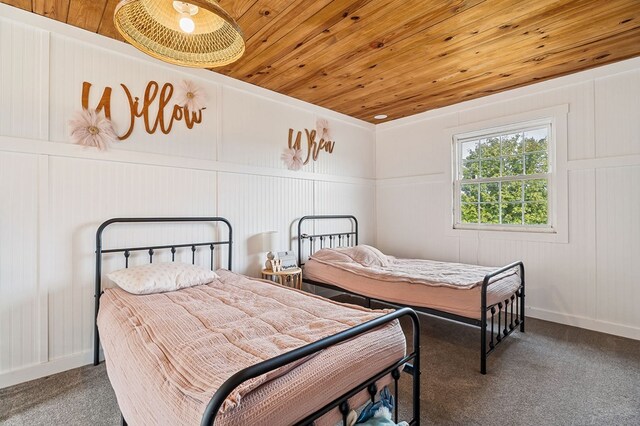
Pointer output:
x,y
550,375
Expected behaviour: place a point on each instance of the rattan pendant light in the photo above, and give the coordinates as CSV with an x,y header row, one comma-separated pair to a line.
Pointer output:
x,y
198,33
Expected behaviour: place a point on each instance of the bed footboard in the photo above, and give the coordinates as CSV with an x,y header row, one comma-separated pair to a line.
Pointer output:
x,y
502,318
409,364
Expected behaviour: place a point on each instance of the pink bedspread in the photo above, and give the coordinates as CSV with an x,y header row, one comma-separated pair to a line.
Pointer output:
x,y
167,353
416,271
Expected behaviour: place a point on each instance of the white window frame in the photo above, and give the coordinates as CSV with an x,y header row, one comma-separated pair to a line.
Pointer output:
x,y
558,201
459,139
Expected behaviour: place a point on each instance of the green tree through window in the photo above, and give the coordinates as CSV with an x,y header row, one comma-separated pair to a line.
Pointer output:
x,y
503,179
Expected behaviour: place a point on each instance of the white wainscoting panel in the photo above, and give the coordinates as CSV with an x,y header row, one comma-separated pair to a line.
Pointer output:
x,y
411,221
346,199
559,277
255,130
579,96
353,153
618,114
400,153
258,204
20,293
24,80
618,248
83,194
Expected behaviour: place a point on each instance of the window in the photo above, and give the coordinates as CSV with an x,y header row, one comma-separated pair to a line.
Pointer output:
x,y
503,178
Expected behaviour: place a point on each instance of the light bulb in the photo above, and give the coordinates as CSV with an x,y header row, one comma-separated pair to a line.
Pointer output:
x,y
187,25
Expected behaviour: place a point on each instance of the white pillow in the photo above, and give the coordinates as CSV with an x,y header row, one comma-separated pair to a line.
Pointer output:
x,y
161,277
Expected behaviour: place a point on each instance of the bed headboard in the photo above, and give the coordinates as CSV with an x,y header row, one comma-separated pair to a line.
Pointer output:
x,y
326,239
151,251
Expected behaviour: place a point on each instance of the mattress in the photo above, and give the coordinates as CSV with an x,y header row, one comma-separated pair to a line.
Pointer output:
x,y
167,353
456,290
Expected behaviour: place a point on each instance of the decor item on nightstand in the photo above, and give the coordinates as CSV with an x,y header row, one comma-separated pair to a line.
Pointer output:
x,y
287,260
200,34
92,129
270,245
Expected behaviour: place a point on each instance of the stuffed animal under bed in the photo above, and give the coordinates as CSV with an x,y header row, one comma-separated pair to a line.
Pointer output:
x,y
376,413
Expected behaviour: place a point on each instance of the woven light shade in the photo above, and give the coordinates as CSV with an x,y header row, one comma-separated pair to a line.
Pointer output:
x,y
153,26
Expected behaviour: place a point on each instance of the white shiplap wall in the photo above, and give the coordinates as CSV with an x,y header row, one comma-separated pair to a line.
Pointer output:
x,y
55,194
590,281
20,302
24,80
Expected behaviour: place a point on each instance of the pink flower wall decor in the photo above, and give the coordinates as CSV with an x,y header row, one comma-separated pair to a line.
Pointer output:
x,y
190,96
322,129
92,129
292,158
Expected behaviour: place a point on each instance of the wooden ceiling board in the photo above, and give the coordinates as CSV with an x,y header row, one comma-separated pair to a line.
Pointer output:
x,y
261,15
402,57
289,18
371,68
593,54
437,46
22,4
86,14
462,61
452,74
54,9
259,62
107,27
236,8
358,47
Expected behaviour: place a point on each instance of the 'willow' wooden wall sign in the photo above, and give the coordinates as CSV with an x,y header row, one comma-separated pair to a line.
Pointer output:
x,y
159,109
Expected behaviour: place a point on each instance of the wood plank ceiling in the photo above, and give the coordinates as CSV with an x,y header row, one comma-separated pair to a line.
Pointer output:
x,y
402,57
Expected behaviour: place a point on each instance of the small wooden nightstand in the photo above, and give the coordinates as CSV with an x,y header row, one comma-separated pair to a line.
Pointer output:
x,y
290,277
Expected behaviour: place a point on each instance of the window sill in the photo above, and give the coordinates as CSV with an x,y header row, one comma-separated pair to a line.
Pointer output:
x,y
506,228
546,235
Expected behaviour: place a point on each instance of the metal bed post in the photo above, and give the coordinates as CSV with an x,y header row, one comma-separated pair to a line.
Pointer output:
x,y
521,297
483,327
97,293
416,370
483,314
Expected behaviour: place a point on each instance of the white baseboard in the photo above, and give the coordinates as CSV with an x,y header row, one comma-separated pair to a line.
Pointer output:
x,y
36,371
584,322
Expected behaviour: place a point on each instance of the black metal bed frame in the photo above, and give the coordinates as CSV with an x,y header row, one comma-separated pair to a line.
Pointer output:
x,y
410,363
487,321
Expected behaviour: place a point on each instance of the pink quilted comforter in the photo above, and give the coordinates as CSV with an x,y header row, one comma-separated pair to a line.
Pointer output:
x,y
167,353
371,263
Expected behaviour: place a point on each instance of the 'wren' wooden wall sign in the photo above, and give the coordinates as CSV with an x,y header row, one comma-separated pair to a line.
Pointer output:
x,y
168,111
313,146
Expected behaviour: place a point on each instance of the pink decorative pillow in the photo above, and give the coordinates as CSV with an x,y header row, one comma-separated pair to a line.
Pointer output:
x,y
367,255
161,277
